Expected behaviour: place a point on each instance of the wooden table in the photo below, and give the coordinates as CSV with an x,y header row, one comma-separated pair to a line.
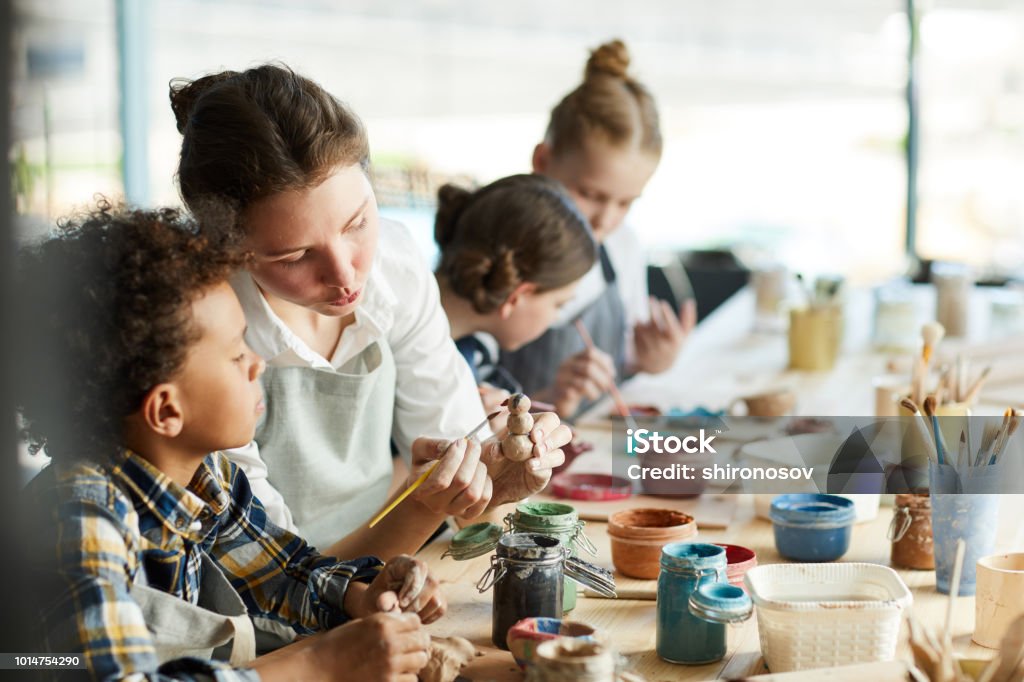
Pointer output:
x,y
630,624
724,359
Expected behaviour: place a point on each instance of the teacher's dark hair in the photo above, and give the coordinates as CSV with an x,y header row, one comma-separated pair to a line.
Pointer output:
x,y
255,133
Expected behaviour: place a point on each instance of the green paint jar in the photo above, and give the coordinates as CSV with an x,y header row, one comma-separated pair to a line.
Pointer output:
x,y
559,521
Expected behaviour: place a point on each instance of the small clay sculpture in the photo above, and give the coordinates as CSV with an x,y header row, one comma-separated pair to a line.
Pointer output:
x,y
517,446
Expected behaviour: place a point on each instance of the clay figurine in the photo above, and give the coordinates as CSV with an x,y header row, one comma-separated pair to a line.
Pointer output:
x,y
517,446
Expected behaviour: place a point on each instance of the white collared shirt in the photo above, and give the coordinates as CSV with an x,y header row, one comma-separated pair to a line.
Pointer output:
x,y
435,394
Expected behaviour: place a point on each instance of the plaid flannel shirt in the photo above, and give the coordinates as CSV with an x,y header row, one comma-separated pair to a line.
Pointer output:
x,y
103,527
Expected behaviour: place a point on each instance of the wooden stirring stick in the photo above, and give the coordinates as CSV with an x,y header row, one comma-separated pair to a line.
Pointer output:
x,y
419,481
948,663
620,405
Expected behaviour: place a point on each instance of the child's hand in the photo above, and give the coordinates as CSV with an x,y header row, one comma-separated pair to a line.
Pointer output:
x,y
459,485
587,375
405,585
659,341
386,647
515,480
492,397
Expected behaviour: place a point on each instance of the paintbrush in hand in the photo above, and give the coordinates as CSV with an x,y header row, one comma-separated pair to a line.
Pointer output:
x,y
419,481
620,404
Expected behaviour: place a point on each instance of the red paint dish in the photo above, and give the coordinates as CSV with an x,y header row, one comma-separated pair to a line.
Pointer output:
x,y
592,487
639,411
739,560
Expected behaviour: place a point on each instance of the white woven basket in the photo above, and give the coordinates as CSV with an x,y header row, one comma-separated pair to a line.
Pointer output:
x,y
823,615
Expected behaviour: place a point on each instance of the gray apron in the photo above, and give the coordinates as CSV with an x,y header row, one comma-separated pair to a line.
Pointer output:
x,y
181,629
536,364
325,440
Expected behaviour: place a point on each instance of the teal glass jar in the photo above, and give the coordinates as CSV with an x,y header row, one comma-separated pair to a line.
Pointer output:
x,y
695,603
559,521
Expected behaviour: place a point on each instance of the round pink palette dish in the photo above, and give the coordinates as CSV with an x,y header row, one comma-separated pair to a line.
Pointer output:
x,y
594,487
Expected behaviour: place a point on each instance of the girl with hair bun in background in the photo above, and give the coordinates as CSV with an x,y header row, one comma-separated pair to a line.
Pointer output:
x,y
603,143
347,315
511,255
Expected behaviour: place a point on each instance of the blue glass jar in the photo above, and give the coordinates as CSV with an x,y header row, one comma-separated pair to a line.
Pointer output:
x,y
812,526
695,602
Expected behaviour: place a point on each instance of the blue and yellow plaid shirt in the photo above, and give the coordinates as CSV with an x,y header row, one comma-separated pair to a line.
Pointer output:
x,y
104,527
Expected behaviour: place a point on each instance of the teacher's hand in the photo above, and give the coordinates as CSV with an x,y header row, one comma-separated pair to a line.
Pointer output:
x,y
459,485
515,480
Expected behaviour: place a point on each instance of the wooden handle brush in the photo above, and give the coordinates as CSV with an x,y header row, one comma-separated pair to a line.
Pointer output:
x,y
419,481
910,406
620,404
931,335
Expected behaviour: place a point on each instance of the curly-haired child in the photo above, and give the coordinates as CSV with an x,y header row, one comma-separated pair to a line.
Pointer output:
x,y
149,548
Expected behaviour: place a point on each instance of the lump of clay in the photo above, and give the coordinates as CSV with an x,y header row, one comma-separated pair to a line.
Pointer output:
x,y
518,404
448,655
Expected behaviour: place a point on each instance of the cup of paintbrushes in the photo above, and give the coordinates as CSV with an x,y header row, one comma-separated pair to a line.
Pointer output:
x,y
815,335
960,516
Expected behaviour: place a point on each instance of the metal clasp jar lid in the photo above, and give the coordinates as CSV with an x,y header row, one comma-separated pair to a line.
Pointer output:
x,y
473,541
587,574
720,603
531,549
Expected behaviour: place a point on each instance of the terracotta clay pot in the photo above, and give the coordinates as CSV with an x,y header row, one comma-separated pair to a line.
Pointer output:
x,y
739,561
638,535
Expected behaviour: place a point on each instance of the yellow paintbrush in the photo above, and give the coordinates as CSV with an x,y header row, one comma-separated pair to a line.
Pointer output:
x,y
419,481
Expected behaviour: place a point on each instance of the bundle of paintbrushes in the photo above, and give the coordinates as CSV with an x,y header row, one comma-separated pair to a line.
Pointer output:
x,y
825,291
955,385
967,459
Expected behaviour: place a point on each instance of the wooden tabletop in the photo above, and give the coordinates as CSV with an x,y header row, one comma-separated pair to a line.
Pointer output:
x,y
630,624
724,358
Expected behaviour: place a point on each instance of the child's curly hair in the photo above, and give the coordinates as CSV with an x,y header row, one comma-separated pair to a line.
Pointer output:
x,y
104,314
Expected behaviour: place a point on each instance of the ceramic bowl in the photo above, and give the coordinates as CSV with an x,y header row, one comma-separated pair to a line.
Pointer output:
x,y
525,636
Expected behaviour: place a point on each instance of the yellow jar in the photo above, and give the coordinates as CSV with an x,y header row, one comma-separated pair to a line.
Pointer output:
x,y
815,336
